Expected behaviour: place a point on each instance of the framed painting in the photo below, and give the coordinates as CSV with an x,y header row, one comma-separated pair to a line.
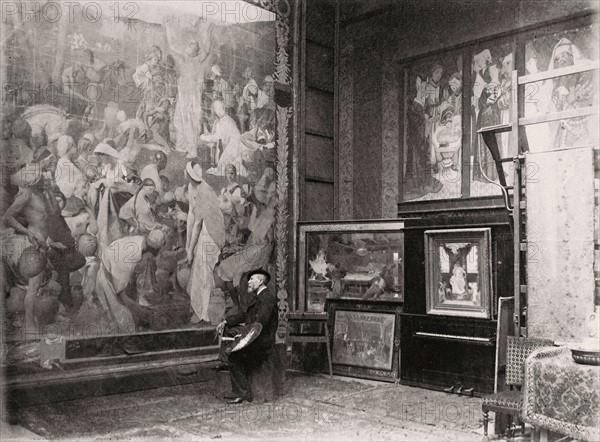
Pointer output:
x,y
458,272
353,260
364,338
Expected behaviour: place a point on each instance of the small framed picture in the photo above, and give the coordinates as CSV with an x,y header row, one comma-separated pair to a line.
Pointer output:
x,y
365,338
458,272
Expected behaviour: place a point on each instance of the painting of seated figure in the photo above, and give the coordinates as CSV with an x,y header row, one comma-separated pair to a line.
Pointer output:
x,y
458,272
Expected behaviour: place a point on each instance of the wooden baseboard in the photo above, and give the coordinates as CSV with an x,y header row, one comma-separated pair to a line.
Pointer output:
x,y
78,383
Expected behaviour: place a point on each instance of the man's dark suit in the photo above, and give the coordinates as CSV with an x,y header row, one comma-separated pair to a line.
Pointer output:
x,y
263,310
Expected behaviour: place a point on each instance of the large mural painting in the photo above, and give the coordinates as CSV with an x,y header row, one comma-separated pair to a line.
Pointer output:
x,y
143,165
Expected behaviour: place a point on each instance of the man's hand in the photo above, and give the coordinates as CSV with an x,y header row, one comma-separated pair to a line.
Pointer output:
x,y
221,327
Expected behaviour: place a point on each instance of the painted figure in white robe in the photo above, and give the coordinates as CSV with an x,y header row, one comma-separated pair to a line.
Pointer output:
x,y
193,63
226,131
101,192
204,241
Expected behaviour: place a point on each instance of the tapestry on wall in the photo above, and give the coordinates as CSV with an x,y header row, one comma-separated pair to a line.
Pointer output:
x,y
145,163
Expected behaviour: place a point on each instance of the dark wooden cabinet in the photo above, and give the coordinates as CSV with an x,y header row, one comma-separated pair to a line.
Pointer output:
x,y
441,352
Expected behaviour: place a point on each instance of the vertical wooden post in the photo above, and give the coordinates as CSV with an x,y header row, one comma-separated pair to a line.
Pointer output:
x,y
517,244
514,141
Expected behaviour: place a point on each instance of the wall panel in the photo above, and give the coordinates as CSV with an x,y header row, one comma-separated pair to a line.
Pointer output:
x,y
319,157
318,201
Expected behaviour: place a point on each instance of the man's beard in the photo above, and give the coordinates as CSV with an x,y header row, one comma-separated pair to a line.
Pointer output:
x,y
250,289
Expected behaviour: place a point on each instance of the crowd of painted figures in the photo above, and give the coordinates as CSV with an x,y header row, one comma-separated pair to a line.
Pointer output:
x,y
96,230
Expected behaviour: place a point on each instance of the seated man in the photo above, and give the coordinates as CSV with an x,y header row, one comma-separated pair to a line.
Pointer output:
x,y
262,310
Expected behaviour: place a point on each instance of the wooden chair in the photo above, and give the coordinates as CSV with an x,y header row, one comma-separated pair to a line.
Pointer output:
x,y
510,401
